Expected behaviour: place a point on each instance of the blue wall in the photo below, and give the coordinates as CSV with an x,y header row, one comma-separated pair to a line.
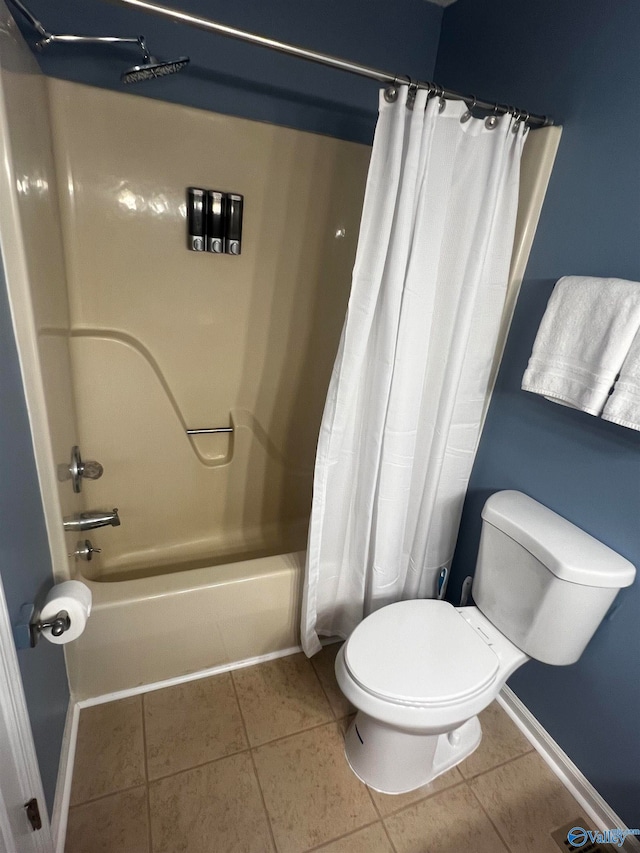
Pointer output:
x,y
249,81
25,565
577,61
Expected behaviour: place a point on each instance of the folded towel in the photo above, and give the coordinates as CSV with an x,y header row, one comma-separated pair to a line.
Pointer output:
x,y
582,341
623,406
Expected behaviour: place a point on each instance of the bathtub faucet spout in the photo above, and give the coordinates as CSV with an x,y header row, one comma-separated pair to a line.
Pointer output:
x,y
91,519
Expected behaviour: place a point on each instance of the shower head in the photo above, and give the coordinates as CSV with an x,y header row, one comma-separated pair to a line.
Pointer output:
x,y
153,69
150,67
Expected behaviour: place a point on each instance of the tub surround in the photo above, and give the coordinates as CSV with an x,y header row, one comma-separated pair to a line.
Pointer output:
x,y
194,339
33,257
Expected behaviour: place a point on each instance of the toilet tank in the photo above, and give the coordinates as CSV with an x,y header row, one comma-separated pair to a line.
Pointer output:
x,y
542,581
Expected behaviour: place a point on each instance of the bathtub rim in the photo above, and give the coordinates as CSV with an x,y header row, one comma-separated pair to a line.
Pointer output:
x,y
115,593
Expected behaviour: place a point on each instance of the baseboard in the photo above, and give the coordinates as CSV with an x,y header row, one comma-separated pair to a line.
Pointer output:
x,y
184,679
65,774
595,807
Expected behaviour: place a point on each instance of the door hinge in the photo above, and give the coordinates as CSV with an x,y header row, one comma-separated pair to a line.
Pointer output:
x,y
33,814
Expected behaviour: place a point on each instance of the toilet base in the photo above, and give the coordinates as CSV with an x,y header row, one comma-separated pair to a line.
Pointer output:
x,y
393,761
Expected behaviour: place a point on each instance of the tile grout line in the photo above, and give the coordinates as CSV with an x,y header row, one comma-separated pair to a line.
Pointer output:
x,y
146,777
377,811
422,799
388,834
498,766
297,732
106,796
340,837
326,695
493,823
375,807
115,791
199,765
330,719
253,764
490,819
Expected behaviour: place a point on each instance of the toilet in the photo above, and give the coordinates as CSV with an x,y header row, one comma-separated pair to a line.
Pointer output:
x,y
419,672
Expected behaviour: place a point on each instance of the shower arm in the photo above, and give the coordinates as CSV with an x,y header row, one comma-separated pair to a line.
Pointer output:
x,y
69,39
48,38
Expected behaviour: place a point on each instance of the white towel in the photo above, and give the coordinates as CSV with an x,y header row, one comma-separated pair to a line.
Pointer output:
x,y
623,406
582,341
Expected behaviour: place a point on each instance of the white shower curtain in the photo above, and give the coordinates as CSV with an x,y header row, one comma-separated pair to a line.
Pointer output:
x,y
405,403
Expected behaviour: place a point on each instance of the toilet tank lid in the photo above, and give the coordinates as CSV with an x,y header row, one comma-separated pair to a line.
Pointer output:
x,y
566,550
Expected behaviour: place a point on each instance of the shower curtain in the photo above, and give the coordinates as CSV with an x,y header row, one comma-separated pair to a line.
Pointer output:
x,y
407,395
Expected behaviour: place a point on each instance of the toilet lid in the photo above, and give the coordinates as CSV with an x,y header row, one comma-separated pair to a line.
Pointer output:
x,y
421,653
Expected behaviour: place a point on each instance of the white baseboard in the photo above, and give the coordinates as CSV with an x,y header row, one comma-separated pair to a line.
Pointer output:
x,y
184,679
595,807
65,775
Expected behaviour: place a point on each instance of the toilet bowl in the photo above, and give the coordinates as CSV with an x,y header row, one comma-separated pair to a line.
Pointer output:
x,y
419,672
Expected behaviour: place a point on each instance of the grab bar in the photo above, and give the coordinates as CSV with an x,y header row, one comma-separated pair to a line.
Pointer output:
x,y
209,430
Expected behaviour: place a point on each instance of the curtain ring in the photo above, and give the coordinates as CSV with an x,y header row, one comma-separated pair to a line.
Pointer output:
x,y
469,111
392,90
443,102
491,121
411,94
391,94
517,114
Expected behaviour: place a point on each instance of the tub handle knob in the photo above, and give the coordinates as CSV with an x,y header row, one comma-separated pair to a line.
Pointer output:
x,y
85,550
92,470
79,469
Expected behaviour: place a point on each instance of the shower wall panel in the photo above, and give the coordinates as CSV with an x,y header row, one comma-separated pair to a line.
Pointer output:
x,y
165,340
32,250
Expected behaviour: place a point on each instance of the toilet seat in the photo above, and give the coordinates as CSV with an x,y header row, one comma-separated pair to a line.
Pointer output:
x,y
421,654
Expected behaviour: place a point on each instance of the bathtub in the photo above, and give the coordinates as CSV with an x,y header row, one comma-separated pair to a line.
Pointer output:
x,y
151,629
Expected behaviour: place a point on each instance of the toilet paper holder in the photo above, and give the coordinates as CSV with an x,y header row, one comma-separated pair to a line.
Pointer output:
x,y
26,632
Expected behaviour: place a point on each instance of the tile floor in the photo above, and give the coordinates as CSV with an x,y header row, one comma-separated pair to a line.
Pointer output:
x,y
252,761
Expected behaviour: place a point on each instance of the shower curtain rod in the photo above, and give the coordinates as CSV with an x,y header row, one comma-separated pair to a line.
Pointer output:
x,y
327,59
